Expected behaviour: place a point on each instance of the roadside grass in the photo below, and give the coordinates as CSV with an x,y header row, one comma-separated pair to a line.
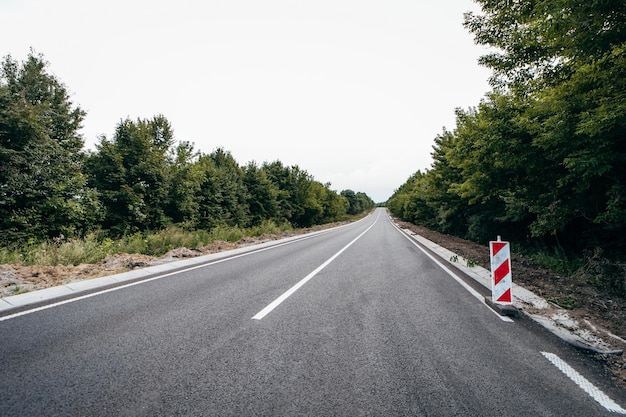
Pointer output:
x,y
593,267
568,303
556,260
95,246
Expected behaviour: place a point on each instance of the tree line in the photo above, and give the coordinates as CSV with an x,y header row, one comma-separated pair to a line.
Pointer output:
x,y
140,179
542,159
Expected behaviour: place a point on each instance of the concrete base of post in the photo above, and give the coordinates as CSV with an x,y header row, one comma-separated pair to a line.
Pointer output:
x,y
502,309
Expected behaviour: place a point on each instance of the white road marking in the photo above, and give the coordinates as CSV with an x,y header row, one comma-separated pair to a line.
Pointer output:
x,y
143,281
583,383
290,291
454,276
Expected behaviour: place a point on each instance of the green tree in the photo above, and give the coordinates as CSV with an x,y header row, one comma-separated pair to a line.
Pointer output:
x,y
186,175
262,194
357,202
307,199
223,194
283,179
451,208
497,168
354,205
43,191
365,201
568,59
301,200
131,174
541,43
412,201
335,205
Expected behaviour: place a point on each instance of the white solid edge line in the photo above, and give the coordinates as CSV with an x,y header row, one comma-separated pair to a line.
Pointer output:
x,y
271,306
142,281
584,384
472,291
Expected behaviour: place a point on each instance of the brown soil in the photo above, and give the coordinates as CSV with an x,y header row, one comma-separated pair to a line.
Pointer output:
x,y
601,309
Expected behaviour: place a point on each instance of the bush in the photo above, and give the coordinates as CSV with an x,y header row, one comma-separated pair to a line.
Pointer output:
x,y
609,275
556,260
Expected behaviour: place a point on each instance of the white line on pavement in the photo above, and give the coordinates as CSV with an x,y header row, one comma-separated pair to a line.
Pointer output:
x,y
583,383
304,280
143,281
455,276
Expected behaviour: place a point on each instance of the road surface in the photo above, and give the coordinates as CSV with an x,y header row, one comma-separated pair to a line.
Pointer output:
x,y
353,321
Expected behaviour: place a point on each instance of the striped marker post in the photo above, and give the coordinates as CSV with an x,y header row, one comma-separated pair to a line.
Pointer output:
x,y
501,281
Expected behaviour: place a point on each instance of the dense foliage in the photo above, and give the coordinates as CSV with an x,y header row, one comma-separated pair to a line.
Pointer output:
x,y
139,180
542,159
42,186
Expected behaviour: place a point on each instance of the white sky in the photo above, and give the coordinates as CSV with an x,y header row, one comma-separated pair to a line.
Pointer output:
x,y
352,91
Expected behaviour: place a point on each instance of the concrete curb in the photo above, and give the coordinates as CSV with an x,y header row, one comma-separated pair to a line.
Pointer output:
x,y
557,320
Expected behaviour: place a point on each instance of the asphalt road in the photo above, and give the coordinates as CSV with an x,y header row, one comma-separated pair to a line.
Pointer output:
x,y
373,327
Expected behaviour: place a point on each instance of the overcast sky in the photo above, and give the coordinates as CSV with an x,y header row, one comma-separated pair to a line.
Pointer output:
x,y
352,91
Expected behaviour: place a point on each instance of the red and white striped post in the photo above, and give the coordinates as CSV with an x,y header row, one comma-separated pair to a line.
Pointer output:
x,y
501,281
